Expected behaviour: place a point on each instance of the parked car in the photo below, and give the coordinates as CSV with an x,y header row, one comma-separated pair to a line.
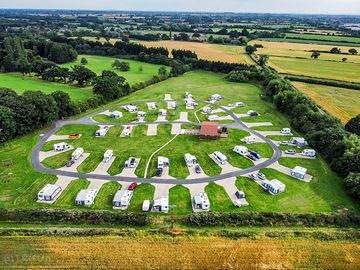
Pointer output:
x,y
70,163
133,186
253,176
159,172
197,169
261,176
74,136
284,143
251,157
240,194
290,152
238,203
255,154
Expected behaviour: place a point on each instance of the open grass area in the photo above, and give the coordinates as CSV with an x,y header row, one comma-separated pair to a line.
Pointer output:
x,y
67,198
139,71
141,193
105,196
180,200
151,252
214,52
219,199
324,37
317,68
20,84
340,102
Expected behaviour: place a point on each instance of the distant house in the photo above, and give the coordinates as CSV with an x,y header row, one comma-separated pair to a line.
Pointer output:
x,y
273,186
122,198
86,197
209,131
49,192
116,114
299,172
298,141
201,201
161,205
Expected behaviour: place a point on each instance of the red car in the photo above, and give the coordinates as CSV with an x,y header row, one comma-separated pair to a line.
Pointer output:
x,y
133,186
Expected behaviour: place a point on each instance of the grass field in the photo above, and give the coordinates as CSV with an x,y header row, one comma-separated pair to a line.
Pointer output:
x,y
340,102
317,68
21,83
176,253
214,52
311,41
324,37
19,189
134,75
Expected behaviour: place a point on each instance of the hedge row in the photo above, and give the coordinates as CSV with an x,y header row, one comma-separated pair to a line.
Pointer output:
x,y
348,219
346,85
73,217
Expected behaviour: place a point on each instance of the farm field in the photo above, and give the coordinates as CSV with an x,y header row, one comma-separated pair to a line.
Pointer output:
x,y
340,102
316,68
285,49
324,37
311,41
324,193
20,84
176,253
214,52
134,75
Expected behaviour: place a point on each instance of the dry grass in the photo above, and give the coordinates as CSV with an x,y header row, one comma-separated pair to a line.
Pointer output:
x,y
178,253
213,52
340,102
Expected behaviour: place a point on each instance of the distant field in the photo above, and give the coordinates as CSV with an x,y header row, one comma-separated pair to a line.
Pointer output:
x,y
340,102
21,83
134,75
317,68
310,41
324,37
214,52
113,252
287,49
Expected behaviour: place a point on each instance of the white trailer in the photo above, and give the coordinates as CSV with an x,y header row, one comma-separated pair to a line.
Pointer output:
x,y
242,150
108,155
161,205
102,131
163,162
207,110
216,97
86,197
77,153
286,131
49,192
172,105
213,118
61,146
220,157
146,206
190,160
131,108
249,140
122,198
162,112
201,201
309,153
141,114
274,186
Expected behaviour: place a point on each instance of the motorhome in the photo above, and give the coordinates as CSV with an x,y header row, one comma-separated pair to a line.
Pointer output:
x,y
201,201
190,160
220,157
131,108
122,198
207,110
61,146
242,150
163,162
49,192
108,155
309,153
161,205
77,153
102,131
116,114
286,131
249,140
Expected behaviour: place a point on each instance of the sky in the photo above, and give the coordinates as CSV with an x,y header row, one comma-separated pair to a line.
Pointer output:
x,y
259,6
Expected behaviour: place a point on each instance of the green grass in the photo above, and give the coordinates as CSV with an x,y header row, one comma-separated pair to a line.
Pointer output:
x,y
312,41
141,193
91,162
20,84
67,198
180,200
324,38
105,196
219,199
134,75
317,68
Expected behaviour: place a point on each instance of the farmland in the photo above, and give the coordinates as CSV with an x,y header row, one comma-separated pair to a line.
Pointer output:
x,y
214,52
176,253
340,102
138,72
21,83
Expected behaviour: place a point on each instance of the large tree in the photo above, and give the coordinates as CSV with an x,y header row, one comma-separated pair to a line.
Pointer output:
x,y
64,104
7,124
352,183
82,75
250,49
110,86
353,125
315,55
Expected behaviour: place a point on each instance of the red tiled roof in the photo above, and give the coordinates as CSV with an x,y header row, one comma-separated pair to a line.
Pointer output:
x,y
209,129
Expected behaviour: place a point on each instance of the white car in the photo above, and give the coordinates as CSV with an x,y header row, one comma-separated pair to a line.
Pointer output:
x,y
238,203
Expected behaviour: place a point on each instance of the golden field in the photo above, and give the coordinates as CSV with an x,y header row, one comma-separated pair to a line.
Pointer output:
x,y
113,252
341,102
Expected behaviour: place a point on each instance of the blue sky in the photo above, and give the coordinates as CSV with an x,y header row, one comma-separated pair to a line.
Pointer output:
x,y
263,6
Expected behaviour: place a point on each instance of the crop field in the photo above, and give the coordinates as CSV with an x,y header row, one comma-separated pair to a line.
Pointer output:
x,y
20,83
317,68
324,193
324,37
176,253
340,102
138,72
214,52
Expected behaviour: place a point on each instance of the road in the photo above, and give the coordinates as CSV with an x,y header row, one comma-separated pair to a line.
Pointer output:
x,y
87,120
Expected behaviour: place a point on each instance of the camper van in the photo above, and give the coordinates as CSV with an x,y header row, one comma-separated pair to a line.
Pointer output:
x,y
61,146
190,160
249,139
77,153
108,155
130,163
131,108
163,162
116,114
220,157
216,97
242,150
213,118
207,110
201,201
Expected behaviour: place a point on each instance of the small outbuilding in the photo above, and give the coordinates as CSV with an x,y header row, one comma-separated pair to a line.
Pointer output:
x,y
299,172
49,192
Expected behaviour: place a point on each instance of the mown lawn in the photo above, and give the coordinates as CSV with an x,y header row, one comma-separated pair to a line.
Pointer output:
x,y
106,195
180,200
139,71
67,198
219,199
20,84
142,192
